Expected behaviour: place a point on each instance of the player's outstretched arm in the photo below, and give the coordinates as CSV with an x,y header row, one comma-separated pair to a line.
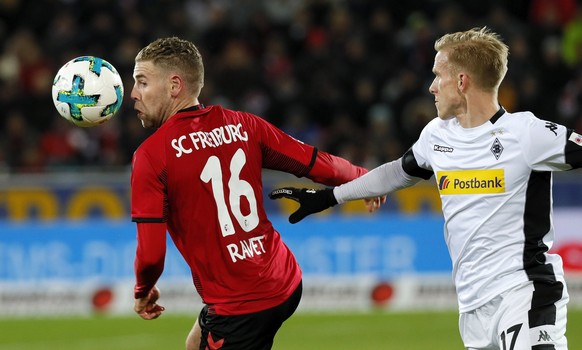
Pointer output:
x,y
310,201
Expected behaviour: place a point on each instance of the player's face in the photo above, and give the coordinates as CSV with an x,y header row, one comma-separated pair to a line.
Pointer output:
x,y
151,94
444,87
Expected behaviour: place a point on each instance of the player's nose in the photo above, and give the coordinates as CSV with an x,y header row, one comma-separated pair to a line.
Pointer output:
x,y
134,94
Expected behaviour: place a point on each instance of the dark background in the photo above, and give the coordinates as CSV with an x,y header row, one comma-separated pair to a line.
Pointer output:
x,y
350,77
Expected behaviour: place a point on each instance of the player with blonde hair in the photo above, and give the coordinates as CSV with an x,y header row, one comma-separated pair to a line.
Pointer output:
x,y
493,169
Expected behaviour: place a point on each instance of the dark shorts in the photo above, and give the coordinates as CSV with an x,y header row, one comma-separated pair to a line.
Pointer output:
x,y
254,331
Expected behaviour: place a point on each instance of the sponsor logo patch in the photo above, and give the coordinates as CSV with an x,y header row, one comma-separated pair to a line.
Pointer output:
x,y
576,138
471,181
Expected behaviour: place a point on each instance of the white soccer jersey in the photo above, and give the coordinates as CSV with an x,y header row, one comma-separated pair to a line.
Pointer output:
x,y
495,184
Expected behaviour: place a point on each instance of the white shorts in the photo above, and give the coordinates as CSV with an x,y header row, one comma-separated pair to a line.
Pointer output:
x,y
504,322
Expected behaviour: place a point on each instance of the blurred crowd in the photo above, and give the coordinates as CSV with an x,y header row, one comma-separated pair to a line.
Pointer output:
x,y
349,76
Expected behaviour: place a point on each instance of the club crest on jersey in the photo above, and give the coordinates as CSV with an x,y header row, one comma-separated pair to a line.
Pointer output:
x,y
496,148
576,138
471,181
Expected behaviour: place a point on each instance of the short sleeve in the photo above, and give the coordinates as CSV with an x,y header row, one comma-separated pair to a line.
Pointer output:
x,y
419,152
544,145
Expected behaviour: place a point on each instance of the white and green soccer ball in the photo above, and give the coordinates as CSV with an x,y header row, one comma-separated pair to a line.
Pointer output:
x,y
87,91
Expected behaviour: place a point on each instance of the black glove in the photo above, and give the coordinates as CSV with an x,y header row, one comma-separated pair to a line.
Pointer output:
x,y
310,201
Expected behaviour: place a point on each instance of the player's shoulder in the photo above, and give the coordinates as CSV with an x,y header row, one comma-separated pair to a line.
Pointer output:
x,y
435,123
147,149
528,127
517,119
236,116
153,138
230,112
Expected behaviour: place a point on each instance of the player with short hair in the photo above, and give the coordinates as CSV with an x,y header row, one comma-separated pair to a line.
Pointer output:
x,y
494,170
199,176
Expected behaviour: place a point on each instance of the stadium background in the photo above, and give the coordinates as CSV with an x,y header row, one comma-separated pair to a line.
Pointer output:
x,y
349,76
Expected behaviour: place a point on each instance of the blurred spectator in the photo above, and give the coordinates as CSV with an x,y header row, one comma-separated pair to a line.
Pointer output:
x,y
552,12
350,76
570,103
55,143
553,76
572,41
20,144
382,143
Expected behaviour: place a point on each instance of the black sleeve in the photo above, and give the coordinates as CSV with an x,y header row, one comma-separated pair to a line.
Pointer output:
x,y
411,167
573,149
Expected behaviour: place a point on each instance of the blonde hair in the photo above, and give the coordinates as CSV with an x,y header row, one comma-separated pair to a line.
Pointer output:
x,y
479,51
173,53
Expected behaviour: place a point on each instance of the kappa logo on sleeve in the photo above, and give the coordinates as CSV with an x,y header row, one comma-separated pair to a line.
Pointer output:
x,y
552,127
471,181
576,138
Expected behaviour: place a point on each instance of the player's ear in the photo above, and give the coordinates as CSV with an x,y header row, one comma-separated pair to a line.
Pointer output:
x,y
176,84
462,81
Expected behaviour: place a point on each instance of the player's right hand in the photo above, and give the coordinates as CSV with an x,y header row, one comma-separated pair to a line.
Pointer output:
x,y
373,204
147,308
310,201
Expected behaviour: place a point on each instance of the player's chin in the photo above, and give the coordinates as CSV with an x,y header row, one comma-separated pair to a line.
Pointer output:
x,y
145,122
445,116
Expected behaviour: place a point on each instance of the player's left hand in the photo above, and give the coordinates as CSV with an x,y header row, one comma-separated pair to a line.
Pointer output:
x,y
147,308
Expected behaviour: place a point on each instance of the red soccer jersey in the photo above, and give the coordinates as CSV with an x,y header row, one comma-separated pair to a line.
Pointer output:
x,y
200,174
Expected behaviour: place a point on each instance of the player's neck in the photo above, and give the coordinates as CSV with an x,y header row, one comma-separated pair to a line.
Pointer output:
x,y
479,109
183,104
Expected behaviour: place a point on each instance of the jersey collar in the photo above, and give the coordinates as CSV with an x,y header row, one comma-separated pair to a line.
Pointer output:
x,y
192,109
497,115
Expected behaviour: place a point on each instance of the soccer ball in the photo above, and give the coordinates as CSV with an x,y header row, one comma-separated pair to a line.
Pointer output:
x,y
87,91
